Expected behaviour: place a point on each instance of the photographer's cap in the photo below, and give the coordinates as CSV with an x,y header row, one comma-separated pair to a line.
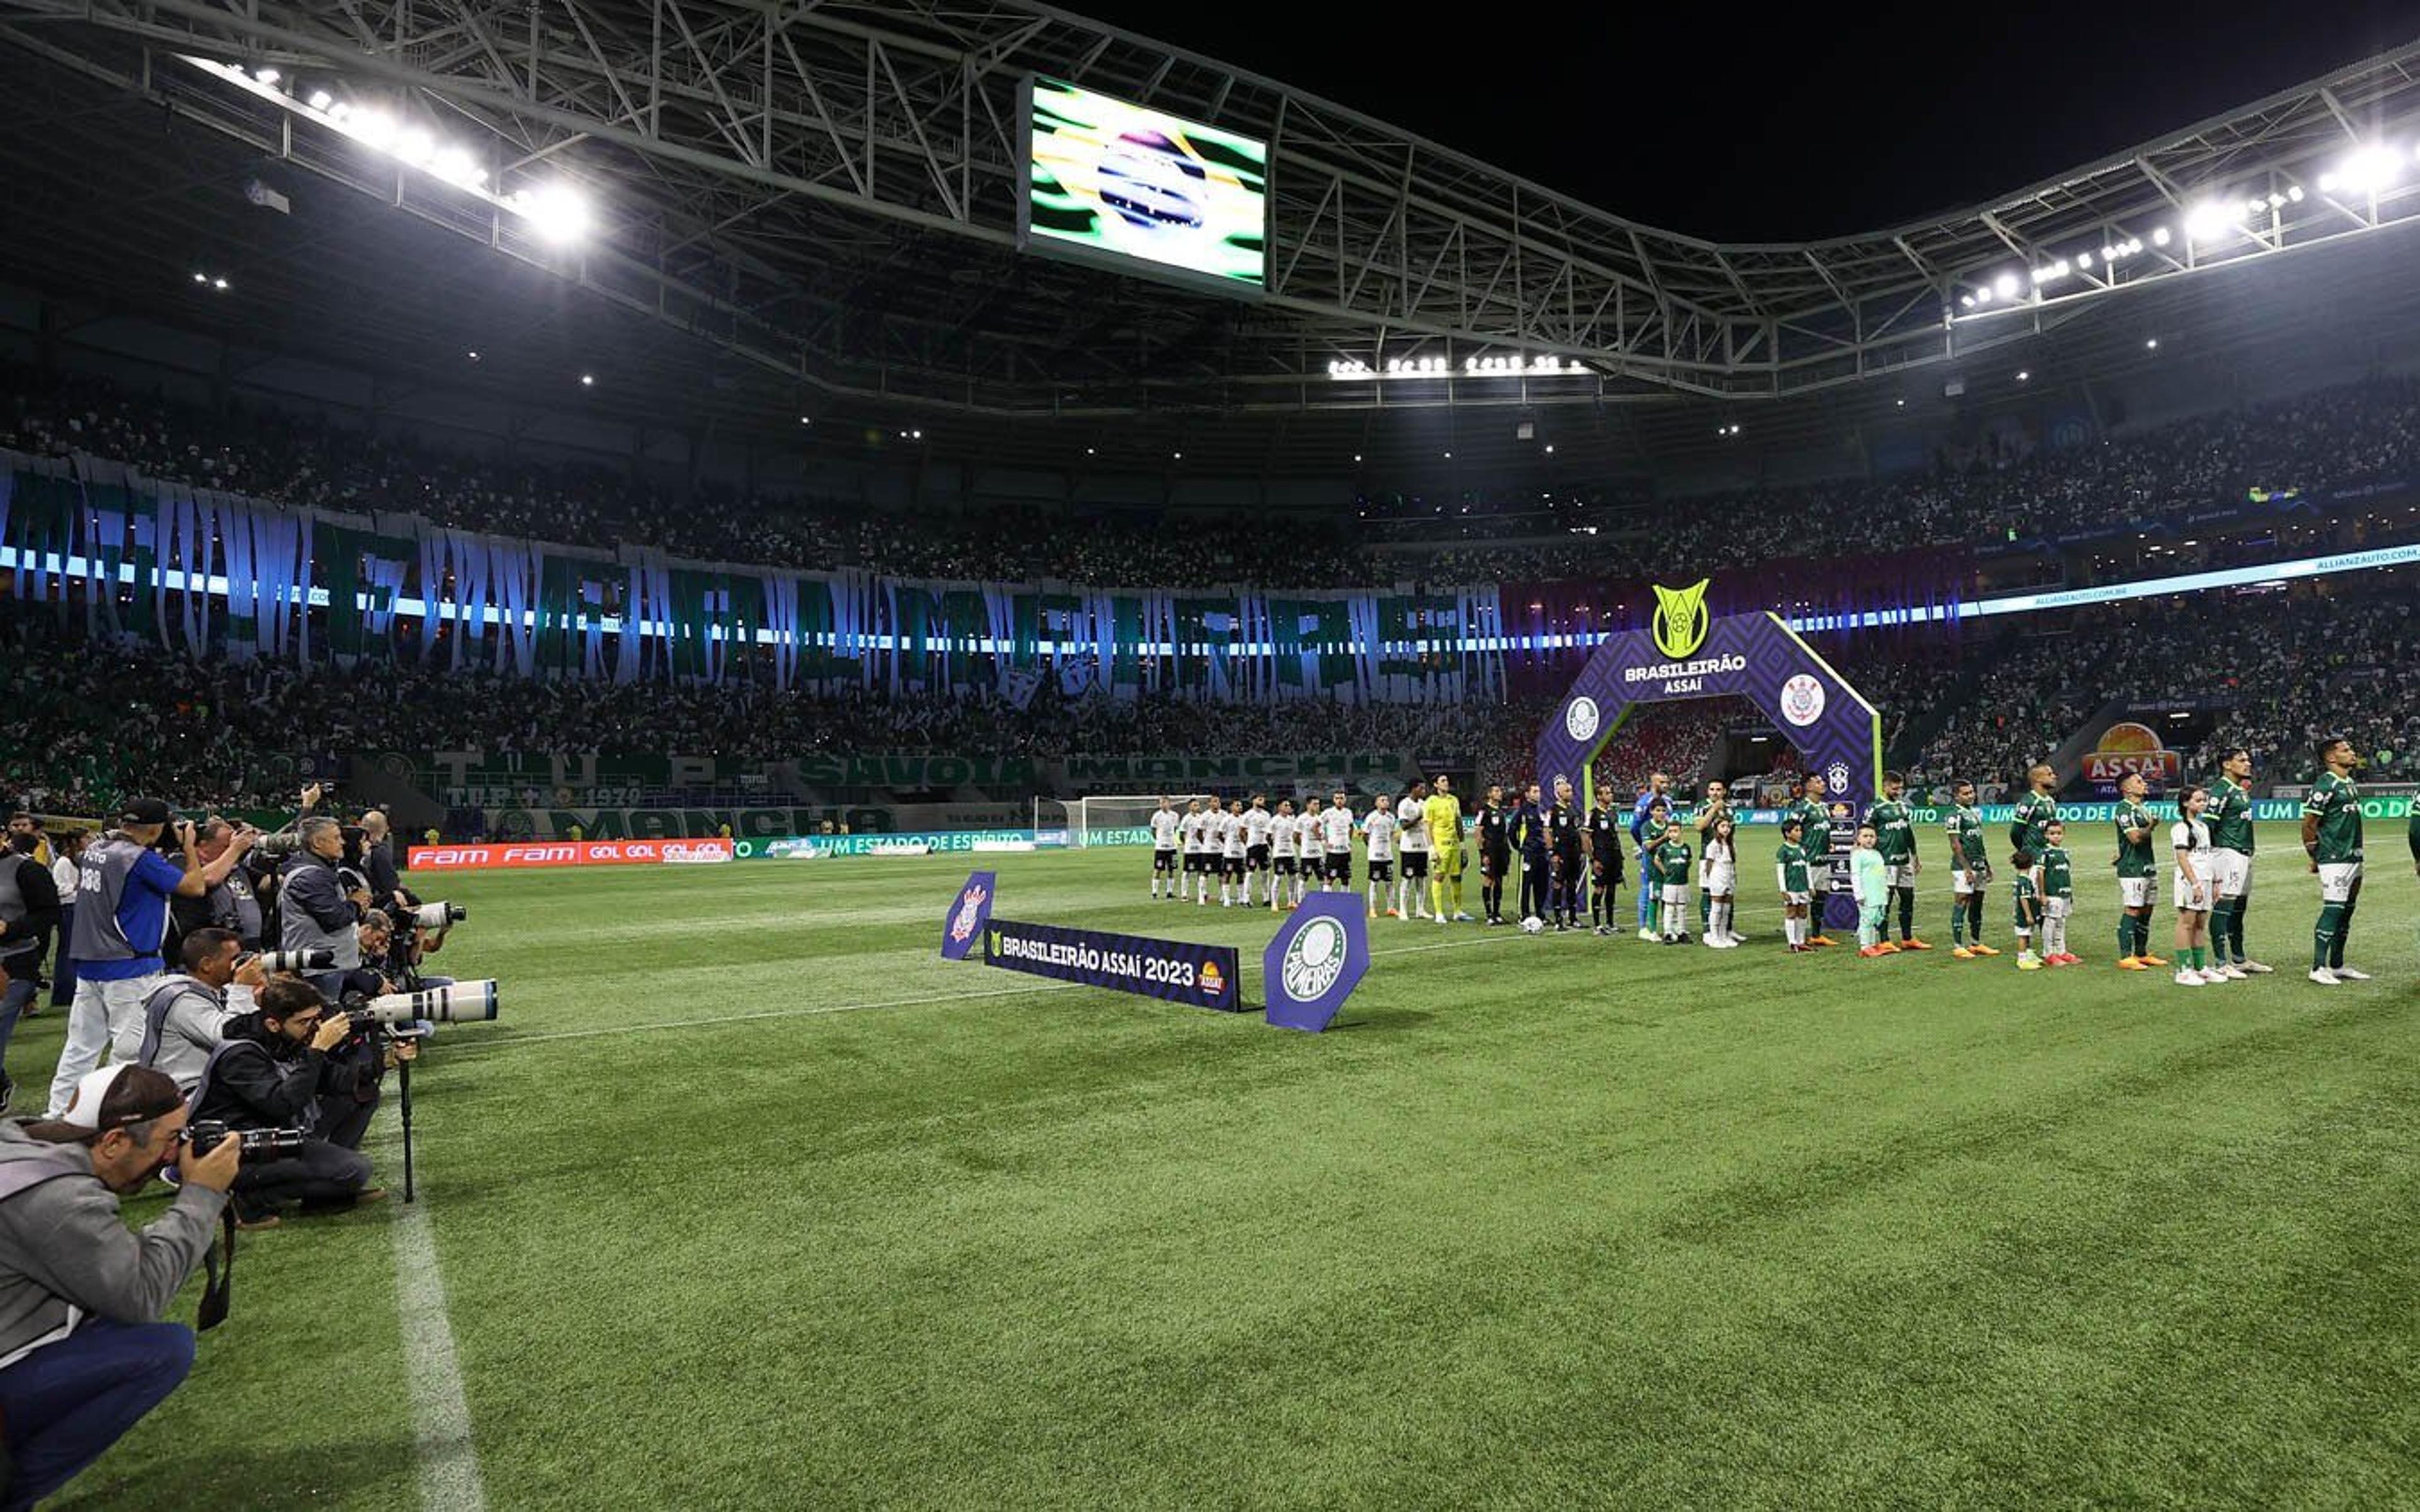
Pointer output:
x,y
92,1089
145,811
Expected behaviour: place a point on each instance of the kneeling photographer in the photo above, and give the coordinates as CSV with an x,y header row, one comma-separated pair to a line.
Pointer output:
x,y
82,1352
183,1015
272,1071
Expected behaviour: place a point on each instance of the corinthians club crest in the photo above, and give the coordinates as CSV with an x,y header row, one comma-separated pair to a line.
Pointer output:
x,y
962,926
1681,620
969,915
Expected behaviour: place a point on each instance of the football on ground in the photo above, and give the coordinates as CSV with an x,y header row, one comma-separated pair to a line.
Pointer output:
x,y
748,1189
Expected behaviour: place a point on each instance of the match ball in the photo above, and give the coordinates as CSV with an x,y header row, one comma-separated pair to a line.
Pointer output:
x,y
1533,925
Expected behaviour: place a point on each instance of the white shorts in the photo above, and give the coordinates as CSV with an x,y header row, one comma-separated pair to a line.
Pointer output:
x,y
1797,900
1676,893
2233,870
2057,907
1722,879
1964,884
1901,876
2134,892
2337,879
2193,897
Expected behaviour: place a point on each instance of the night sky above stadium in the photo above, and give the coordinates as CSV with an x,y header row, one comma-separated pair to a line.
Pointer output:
x,y
1742,126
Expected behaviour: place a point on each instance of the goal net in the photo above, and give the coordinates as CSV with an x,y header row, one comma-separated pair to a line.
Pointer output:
x,y
1114,820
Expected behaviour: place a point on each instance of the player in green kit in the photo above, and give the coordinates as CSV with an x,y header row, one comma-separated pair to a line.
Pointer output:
x,y
2057,882
1814,818
1895,838
2331,838
2136,871
2035,810
1970,867
2230,839
1789,871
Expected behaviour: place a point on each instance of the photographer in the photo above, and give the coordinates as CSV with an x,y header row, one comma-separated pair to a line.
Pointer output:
x,y
82,1352
122,891
319,905
270,1071
230,904
29,913
64,848
183,1015
378,862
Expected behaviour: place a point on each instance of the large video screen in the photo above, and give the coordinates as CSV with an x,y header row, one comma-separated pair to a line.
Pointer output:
x,y
1118,180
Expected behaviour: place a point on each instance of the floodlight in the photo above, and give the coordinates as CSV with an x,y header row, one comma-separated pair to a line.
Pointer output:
x,y
322,99
2370,168
265,75
558,213
2158,236
2005,285
375,128
587,381
2208,221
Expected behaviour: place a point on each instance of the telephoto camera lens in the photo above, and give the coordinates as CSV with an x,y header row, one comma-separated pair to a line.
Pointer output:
x,y
465,1002
274,962
437,916
278,846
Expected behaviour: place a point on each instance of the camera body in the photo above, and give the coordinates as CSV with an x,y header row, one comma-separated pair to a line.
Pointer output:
x,y
302,963
256,1144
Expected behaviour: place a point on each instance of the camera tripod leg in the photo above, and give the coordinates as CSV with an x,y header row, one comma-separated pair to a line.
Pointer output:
x,y
403,1070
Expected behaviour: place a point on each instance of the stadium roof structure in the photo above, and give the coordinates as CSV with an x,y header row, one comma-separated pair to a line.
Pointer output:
x,y
823,199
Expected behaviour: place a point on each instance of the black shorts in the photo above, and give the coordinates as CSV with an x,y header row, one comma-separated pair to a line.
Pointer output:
x,y
1567,863
1382,870
1284,865
1493,861
1340,866
1163,860
1416,864
1257,858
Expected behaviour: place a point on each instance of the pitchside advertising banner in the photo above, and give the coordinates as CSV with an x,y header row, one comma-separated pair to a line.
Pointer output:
x,y
1180,971
522,857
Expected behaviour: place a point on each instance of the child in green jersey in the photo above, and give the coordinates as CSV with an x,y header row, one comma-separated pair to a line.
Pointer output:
x,y
1796,880
1671,862
2024,891
2057,883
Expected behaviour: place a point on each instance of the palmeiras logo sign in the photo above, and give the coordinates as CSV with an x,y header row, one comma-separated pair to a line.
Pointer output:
x,y
1802,701
1680,618
963,925
1316,961
1581,720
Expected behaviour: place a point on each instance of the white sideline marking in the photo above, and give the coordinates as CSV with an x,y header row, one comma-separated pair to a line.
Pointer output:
x,y
449,1462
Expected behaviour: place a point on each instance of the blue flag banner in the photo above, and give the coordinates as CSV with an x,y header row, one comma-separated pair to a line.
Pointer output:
x,y
970,911
1205,975
1316,961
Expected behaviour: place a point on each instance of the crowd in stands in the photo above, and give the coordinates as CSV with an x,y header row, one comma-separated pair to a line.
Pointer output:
x,y
2005,488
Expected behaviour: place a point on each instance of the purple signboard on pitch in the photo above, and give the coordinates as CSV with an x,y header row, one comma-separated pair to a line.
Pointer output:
x,y
963,925
1684,655
1316,961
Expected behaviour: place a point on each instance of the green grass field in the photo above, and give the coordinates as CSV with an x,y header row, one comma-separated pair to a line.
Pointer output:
x,y
749,1200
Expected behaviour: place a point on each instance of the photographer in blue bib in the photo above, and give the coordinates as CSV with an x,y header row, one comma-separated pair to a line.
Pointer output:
x,y
83,1351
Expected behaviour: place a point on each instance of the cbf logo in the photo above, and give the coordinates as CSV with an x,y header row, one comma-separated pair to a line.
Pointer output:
x,y
1802,701
1581,720
1681,621
1315,959
1837,777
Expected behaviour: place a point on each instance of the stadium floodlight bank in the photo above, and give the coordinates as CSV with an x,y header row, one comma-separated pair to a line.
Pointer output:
x,y
1109,820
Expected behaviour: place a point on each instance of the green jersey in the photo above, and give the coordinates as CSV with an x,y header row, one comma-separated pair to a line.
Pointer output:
x,y
2027,900
1791,860
1671,863
2033,817
1814,826
2230,817
1966,841
2057,873
1894,836
2134,856
2336,804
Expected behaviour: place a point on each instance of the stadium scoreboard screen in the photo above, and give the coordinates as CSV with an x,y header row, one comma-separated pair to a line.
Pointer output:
x,y
1140,191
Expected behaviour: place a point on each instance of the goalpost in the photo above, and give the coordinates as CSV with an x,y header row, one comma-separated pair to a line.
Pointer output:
x,y
1114,819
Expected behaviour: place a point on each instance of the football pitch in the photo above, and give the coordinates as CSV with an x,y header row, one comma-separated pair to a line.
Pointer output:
x,y
750,1200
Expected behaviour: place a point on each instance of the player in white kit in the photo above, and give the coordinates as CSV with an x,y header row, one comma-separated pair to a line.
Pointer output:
x,y
1230,873
1336,842
1378,835
1257,824
1412,839
1165,822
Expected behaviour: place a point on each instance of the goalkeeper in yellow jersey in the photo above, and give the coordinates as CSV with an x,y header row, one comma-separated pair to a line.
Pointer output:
x,y
1443,812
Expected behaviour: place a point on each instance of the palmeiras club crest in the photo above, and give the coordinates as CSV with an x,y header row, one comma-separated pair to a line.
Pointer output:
x,y
1580,718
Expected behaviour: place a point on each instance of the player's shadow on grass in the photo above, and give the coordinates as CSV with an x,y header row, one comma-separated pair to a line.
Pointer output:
x,y
1384,1020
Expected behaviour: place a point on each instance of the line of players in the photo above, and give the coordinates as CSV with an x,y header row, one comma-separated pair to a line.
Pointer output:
x,y
1569,859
